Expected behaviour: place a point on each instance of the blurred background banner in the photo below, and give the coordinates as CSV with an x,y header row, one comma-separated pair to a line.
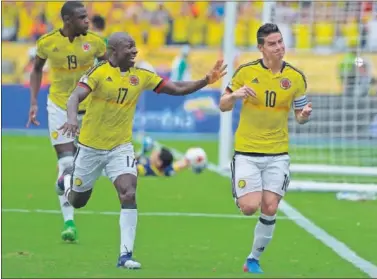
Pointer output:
x,y
315,66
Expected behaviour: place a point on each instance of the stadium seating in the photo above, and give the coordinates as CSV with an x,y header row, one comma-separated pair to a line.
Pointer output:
x,y
199,23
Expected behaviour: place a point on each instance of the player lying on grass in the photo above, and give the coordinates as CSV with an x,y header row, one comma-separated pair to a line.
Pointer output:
x,y
268,88
70,51
105,139
159,161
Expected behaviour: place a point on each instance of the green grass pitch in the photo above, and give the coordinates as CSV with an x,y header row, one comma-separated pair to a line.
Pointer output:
x,y
167,246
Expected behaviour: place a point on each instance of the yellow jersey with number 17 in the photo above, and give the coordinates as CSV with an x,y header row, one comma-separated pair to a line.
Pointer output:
x,y
68,61
263,124
110,112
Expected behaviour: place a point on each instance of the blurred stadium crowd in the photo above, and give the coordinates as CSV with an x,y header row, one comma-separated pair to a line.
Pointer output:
x,y
305,25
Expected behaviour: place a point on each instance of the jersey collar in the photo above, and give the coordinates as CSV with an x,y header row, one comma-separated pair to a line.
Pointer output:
x,y
265,67
76,36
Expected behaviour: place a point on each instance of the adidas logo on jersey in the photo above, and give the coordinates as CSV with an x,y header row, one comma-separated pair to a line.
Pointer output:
x,y
255,80
55,49
109,79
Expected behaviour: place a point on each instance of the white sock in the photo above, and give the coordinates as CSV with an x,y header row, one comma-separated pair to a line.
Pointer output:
x,y
127,222
65,206
262,235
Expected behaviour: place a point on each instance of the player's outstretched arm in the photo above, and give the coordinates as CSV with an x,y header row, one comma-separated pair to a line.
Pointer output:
x,y
181,164
71,127
188,87
303,115
35,85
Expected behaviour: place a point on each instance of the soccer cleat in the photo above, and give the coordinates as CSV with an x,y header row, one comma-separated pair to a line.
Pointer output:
x,y
126,261
69,232
252,266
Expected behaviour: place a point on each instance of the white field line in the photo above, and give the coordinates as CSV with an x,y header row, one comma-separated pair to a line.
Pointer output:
x,y
164,214
334,244
337,246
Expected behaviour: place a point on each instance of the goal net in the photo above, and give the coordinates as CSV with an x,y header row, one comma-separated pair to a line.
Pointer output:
x,y
334,44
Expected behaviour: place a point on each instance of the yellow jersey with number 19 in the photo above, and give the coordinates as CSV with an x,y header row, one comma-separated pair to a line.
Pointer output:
x,y
110,112
263,124
68,61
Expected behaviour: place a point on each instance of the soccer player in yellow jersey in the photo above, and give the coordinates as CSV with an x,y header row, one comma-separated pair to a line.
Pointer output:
x,y
105,139
268,87
70,52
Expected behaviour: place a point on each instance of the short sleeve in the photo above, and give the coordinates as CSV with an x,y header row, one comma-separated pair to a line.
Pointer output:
x,y
300,99
151,80
101,48
237,81
41,50
91,78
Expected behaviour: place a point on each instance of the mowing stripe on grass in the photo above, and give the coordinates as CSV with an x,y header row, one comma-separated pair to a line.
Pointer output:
x,y
334,244
164,214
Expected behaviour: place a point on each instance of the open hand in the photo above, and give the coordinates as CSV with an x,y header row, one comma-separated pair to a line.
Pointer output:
x,y
33,116
217,72
72,129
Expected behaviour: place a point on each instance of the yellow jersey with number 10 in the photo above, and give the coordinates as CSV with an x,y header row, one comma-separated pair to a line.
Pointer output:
x,y
263,124
110,112
68,61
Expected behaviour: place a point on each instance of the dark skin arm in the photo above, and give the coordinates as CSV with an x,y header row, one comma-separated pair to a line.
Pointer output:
x,y
71,127
181,88
35,85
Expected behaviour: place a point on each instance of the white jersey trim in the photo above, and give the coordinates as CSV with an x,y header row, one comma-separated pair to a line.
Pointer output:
x,y
300,103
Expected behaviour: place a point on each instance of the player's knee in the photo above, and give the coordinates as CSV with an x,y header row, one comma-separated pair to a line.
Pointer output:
x,y
78,200
78,203
249,203
249,209
128,197
269,208
126,187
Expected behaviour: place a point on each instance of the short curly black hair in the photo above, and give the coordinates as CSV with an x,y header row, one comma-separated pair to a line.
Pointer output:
x,y
166,157
69,8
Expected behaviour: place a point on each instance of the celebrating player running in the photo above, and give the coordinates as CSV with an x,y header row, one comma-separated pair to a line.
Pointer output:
x,y
105,140
70,52
260,168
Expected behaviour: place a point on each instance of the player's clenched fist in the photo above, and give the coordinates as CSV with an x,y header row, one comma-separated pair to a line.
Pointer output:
x,y
306,111
243,93
71,128
217,72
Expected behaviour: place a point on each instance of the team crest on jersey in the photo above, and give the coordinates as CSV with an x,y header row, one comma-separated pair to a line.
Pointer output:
x,y
54,134
86,47
241,183
285,83
78,182
134,80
